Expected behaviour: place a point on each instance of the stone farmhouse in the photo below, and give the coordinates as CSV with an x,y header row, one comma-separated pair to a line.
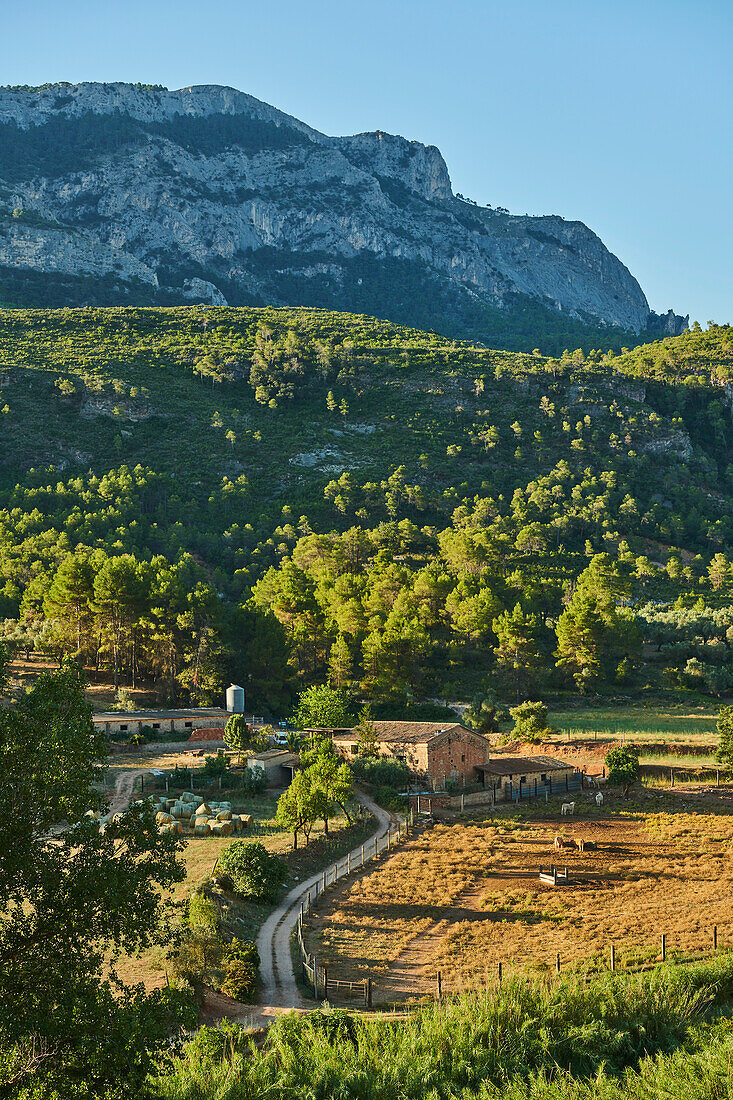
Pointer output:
x,y
438,751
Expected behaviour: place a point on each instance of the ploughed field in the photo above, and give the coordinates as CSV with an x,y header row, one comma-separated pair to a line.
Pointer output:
x,y
460,897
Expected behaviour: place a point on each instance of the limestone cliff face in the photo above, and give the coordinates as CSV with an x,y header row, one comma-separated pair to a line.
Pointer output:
x,y
207,191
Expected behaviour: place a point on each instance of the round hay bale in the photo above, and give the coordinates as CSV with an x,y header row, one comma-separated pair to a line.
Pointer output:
x,y
224,815
189,796
202,830
246,820
177,828
163,819
226,828
204,810
200,820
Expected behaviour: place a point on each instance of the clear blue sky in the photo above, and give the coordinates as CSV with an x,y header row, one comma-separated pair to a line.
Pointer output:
x,y
615,113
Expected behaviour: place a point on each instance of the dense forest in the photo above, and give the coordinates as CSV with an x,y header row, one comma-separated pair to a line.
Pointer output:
x,y
287,496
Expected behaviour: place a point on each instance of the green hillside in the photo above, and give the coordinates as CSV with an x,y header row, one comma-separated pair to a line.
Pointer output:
x,y
390,494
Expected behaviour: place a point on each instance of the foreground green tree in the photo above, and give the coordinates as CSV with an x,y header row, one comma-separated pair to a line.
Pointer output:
x,y
71,899
623,766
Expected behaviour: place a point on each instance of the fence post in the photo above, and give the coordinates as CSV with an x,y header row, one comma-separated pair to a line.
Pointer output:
x,y
557,962
671,777
715,937
362,855
613,957
166,784
369,992
315,976
462,802
499,972
418,802
325,983
664,946
348,864
323,887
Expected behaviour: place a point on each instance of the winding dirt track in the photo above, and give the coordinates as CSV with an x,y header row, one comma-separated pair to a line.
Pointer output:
x,y
279,987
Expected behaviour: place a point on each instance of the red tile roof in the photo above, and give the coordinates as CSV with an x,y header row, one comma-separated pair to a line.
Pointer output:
x,y
216,733
406,732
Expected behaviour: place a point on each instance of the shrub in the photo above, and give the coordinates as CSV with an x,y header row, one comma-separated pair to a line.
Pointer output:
x,y
382,771
253,781
388,797
216,767
256,874
241,965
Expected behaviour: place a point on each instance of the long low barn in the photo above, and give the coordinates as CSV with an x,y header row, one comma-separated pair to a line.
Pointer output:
x,y
521,771
166,721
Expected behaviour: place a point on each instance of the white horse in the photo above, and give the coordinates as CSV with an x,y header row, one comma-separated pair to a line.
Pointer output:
x,y
599,798
567,808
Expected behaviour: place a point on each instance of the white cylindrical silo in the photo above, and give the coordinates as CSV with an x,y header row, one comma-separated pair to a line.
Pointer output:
x,y
235,699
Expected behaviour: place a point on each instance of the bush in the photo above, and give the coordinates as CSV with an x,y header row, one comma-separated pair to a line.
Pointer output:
x,y
381,771
241,965
256,875
388,797
216,767
253,781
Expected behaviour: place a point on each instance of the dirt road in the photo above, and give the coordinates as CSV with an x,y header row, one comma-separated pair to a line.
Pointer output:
x,y
279,987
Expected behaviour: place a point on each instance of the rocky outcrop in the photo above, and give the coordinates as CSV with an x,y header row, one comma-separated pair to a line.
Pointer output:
x,y
219,197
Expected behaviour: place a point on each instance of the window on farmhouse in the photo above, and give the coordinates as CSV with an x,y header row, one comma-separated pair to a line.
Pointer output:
x,y
123,728
188,725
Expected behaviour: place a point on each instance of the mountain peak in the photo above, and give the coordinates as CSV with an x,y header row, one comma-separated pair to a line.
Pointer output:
x,y
208,187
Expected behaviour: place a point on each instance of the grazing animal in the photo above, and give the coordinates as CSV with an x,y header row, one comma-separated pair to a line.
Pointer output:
x,y
561,843
580,845
567,808
599,798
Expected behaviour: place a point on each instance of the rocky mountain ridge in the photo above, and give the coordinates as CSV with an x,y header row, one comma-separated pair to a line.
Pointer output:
x,y
208,194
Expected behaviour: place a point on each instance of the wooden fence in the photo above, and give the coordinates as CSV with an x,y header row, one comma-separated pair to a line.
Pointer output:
x,y
327,986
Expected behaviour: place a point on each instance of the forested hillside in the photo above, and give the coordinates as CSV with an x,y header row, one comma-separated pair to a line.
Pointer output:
x,y
288,495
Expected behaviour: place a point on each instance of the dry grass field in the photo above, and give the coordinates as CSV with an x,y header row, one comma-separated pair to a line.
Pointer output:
x,y
459,897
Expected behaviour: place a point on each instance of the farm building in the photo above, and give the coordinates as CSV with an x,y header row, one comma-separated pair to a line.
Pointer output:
x,y
165,721
517,772
437,751
279,766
